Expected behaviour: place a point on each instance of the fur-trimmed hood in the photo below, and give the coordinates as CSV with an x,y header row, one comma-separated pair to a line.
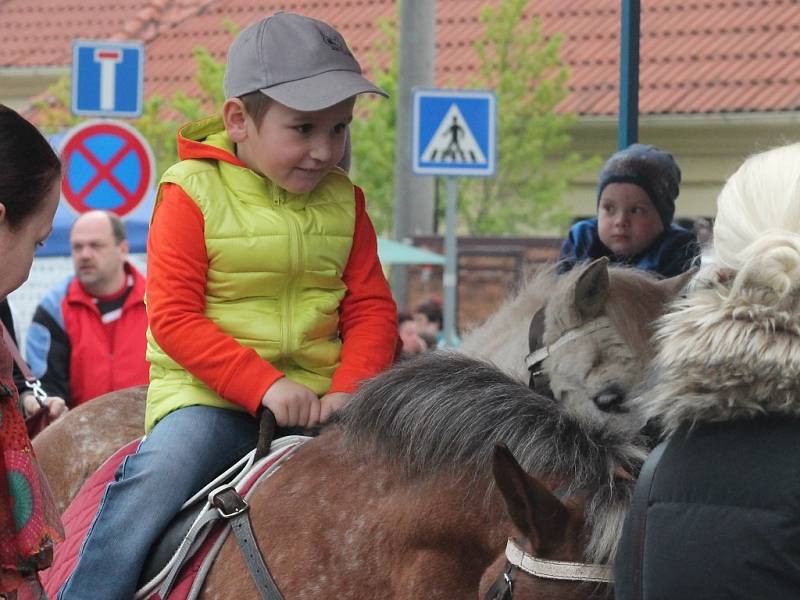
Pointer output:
x,y
723,356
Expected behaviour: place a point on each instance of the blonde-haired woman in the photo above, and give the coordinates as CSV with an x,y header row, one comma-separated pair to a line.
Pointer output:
x,y
717,508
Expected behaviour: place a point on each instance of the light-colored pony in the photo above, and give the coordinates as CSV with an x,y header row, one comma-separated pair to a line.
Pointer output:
x,y
595,374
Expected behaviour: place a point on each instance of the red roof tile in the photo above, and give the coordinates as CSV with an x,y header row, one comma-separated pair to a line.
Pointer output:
x,y
696,56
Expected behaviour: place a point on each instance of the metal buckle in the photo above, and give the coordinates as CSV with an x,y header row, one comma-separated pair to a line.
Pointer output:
x,y
35,386
228,502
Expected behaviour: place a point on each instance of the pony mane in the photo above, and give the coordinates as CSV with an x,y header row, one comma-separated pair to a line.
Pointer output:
x,y
503,337
442,412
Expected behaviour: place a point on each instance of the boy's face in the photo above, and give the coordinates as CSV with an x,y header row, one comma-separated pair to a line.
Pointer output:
x,y
296,149
627,221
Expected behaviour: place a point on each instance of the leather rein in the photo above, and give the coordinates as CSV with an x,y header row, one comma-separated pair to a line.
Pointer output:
x,y
539,351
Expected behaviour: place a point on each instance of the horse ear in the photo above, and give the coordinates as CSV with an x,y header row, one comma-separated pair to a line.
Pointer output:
x,y
673,285
533,509
591,289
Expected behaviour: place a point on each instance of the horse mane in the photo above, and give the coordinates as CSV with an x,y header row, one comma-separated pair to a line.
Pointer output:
x,y
442,412
503,337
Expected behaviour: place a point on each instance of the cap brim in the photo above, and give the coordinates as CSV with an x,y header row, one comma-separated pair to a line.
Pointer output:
x,y
321,91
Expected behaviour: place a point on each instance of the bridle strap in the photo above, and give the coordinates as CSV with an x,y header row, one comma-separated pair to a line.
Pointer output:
x,y
556,569
503,586
540,354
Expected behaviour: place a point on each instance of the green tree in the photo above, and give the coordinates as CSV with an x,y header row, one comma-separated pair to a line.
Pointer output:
x,y
534,162
209,77
373,131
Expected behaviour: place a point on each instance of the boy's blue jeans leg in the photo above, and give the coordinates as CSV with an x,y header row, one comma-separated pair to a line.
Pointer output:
x,y
181,454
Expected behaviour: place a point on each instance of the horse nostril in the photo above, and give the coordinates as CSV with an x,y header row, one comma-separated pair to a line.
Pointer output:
x,y
610,399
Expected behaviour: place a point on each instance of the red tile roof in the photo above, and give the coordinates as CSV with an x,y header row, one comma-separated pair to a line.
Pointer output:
x,y
697,56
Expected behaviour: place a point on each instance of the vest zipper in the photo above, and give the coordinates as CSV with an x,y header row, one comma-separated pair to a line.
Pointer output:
x,y
295,264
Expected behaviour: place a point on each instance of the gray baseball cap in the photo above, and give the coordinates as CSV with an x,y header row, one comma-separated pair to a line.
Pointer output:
x,y
301,62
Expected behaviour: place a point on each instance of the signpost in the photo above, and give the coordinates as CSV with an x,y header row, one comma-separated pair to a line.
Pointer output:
x,y
453,135
107,165
107,78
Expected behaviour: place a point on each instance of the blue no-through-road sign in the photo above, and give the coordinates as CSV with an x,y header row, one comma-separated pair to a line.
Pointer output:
x,y
453,132
107,78
107,165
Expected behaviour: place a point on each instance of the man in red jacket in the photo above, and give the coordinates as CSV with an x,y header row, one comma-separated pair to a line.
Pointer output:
x,y
88,333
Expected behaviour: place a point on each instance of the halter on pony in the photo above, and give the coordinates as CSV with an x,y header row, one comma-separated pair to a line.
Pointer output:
x,y
519,560
539,381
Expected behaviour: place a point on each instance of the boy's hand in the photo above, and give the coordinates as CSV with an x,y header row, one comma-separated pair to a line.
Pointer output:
x,y
331,403
294,404
55,405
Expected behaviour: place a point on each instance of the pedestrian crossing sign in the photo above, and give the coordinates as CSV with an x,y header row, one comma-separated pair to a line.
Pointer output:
x,y
453,132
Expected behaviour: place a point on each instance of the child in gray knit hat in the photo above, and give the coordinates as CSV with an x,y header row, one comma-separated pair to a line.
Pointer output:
x,y
636,193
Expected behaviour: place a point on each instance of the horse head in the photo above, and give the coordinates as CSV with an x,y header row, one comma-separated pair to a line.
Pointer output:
x,y
596,338
544,560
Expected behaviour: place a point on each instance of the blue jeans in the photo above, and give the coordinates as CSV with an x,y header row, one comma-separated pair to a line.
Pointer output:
x,y
182,453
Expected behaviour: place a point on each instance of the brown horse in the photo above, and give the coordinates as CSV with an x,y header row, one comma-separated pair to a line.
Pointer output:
x,y
406,495
398,498
73,447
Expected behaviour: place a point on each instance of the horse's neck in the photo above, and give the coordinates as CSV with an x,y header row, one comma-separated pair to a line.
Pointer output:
x,y
472,510
370,524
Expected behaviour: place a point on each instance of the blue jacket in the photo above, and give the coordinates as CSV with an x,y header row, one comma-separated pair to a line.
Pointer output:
x,y
671,254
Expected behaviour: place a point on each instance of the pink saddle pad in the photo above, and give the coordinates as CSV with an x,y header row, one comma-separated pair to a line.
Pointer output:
x,y
78,518
80,514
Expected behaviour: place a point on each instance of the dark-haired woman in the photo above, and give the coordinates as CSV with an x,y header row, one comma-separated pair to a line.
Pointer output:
x,y
29,190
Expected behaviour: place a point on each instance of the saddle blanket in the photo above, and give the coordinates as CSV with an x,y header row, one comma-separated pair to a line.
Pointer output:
x,y
78,517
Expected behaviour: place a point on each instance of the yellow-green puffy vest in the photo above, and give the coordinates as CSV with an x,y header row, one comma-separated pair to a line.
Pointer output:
x,y
274,280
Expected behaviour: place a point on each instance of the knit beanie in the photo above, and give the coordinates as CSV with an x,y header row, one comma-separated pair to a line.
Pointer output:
x,y
652,169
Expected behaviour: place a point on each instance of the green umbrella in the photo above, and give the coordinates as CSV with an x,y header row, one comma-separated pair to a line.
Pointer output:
x,y
392,252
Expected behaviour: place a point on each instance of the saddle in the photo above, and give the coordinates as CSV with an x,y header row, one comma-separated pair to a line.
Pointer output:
x,y
181,560
188,546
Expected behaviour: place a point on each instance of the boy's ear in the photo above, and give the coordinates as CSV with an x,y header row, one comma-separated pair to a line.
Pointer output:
x,y
234,116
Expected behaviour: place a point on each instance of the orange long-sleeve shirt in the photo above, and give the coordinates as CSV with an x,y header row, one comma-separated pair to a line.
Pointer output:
x,y
177,265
